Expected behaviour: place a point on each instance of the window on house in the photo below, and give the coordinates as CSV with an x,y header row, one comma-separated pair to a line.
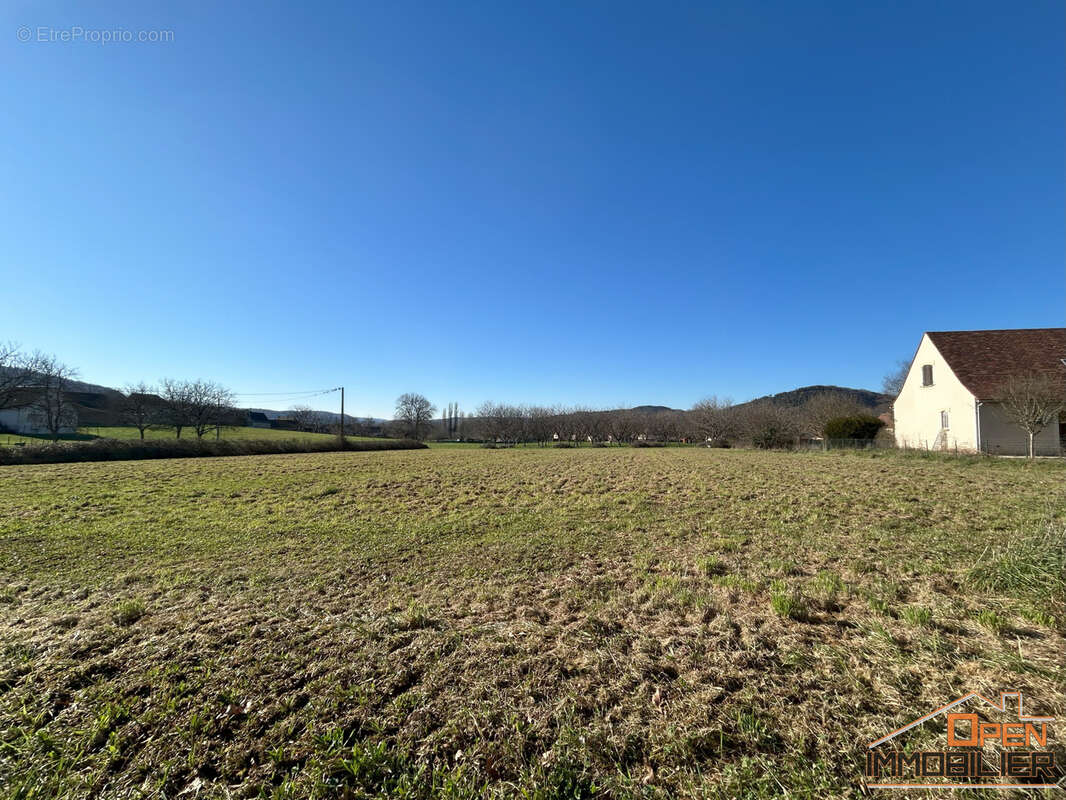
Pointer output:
x,y
944,419
927,375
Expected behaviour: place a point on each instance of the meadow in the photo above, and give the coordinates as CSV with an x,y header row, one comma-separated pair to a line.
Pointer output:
x,y
596,622
127,432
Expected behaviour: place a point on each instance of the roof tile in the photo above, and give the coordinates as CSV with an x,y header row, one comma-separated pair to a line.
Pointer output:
x,y
983,360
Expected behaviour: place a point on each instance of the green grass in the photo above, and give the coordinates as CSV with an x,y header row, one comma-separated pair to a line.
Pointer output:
x,y
541,623
126,432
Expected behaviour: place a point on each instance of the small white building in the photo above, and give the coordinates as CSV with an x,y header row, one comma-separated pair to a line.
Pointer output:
x,y
27,421
948,400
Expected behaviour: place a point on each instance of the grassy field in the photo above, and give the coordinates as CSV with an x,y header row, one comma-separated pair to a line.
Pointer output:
x,y
532,622
126,432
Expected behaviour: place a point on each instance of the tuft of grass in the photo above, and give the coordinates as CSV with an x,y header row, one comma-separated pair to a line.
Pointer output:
x,y
827,588
920,616
988,618
788,602
126,612
739,582
884,596
1032,565
711,566
1038,616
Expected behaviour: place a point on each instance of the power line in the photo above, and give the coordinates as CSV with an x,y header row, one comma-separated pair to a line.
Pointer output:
x,y
302,393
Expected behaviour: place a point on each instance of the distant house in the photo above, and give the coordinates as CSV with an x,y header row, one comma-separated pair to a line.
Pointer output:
x,y
257,419
949,398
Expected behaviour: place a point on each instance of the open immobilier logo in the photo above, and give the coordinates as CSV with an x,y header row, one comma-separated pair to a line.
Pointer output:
x,y
979,754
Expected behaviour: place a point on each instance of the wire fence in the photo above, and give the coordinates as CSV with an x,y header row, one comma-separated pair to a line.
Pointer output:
x,y
847,444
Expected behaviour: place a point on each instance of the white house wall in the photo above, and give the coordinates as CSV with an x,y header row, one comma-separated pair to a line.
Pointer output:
x,y
24,421
1000,436
917,409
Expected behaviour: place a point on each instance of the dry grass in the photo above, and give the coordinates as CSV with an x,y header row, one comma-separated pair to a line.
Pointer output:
x,y
541,623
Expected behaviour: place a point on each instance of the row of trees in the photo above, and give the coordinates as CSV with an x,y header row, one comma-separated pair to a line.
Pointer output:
x,y
713,420
199,406
45,387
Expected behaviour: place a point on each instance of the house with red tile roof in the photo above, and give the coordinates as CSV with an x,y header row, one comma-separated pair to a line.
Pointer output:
x,y
951,397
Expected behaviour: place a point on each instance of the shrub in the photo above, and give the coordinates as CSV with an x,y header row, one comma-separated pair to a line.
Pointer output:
x,y
859,426
562,444
645,443
136,449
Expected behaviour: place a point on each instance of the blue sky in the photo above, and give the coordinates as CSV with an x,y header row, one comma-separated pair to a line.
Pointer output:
x,y
599,203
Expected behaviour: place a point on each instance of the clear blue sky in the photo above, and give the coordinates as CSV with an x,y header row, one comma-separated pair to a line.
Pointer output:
x,y
601,203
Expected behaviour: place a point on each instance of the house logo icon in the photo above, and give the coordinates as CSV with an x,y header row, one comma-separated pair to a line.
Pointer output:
x,y
1009,752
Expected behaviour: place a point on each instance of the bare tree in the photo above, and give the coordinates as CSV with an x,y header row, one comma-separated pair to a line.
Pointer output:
x,y
542,421
892,383
668,426
209,406
1032,402
17,375
714,419
415,412
769,426
177,399
306,417
825,406
622,425
53,407
141,407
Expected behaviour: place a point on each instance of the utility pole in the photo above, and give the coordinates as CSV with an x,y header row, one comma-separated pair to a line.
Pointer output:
x,y
342,413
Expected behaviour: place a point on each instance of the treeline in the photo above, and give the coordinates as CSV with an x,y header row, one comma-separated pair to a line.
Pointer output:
x,y
44,387
181,405
716,422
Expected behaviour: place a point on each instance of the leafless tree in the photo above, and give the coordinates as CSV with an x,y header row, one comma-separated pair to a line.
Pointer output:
x,y
621,425
493,421
53,407
309,419
141,406
209,406
667,426
178,402
892,383
714,419
17,375
768,425
542,423
824,406
415,412
1032,402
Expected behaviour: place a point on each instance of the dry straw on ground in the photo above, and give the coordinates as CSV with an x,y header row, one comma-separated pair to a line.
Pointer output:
x,y
542,623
